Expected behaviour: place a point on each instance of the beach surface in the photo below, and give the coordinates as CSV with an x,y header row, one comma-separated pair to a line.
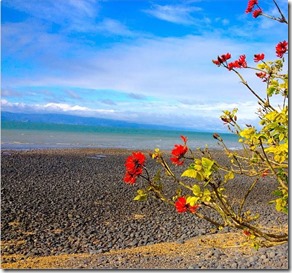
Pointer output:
x,y
70,209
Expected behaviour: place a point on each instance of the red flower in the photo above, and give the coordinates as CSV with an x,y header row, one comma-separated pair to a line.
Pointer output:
x,y
134,167
216,62
240,63
250,5
184,139
281,48
135,161
178,153
256,13
258,57
262,75
223,58
130,178
232,65
193,209
182,206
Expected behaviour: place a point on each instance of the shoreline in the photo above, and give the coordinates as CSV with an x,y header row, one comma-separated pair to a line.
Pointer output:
x,y
128,139
112,150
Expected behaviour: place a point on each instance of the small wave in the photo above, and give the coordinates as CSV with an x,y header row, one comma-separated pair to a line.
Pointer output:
x,y
97,157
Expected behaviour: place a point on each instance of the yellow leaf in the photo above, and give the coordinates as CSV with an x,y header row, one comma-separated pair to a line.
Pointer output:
x,y
207,163
198,167
190,173
191,200
228,176
141,196
196,190
206,196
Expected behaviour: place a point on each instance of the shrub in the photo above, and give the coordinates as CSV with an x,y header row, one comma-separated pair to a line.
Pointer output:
x,y
201,187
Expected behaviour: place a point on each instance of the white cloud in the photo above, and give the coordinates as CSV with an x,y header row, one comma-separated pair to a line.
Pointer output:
x,y
223,21
170,71
176,73
53,107
195,116
173,13
167,69
110,26
73,14
63,107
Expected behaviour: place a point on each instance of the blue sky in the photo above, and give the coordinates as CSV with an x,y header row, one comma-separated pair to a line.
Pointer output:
x,y
139,61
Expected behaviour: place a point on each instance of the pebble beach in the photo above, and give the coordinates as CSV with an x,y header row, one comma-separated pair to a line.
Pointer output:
x,y
70,209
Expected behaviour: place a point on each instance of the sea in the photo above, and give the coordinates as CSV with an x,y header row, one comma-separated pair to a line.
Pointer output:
x,y
29,135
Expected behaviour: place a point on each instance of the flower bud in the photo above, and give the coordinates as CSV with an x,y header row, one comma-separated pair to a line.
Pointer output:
x,y
216,136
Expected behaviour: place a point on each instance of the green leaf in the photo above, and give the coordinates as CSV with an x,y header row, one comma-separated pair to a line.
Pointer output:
x,y
157,176
285,210
256,246
270,91
281,137
278,193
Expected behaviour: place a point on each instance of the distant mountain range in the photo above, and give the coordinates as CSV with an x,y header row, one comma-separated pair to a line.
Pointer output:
x,y
76,120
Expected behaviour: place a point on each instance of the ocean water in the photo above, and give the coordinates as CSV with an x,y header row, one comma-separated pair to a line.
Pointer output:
x,y
17,135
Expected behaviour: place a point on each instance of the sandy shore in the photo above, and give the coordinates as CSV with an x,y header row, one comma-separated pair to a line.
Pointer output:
x,y
70,209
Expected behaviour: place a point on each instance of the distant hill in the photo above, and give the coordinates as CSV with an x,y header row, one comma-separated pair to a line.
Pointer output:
x,y
76,120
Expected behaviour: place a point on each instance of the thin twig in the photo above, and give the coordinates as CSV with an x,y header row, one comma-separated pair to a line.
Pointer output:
x,y
246,195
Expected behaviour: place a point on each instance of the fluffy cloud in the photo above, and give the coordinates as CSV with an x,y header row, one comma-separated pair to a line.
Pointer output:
x,y
173,13
159,79
192,116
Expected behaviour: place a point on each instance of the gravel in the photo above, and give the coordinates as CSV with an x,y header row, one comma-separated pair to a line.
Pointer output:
x,y
74,202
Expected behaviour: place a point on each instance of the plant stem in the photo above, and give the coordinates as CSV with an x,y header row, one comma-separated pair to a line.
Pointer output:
x,y
246,195
283,19
208,219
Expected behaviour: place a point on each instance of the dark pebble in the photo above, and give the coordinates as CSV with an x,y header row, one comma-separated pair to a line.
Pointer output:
x,y
70,203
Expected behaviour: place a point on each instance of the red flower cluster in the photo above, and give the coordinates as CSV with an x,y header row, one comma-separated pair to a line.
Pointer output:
x,y
240,63
250,5
178,152
257,13
134,167
281,48
262,75
223,58
258,57
182,206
